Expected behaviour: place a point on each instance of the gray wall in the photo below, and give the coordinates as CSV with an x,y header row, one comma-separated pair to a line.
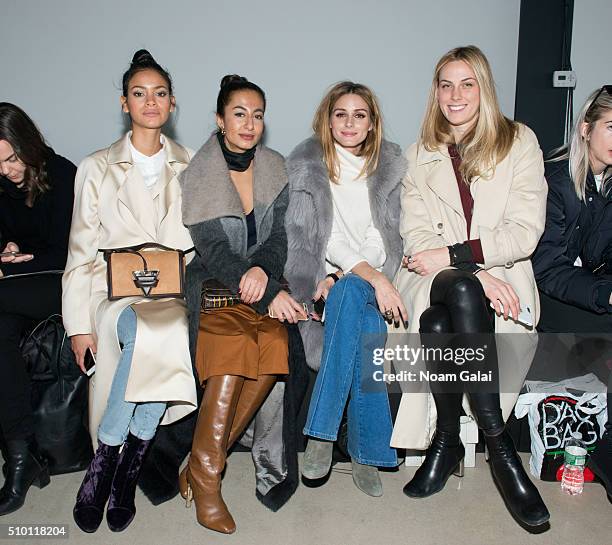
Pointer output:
x,y
591,46
64,59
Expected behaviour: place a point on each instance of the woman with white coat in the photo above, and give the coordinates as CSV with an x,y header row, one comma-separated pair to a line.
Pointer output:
x,y
126,195
473,209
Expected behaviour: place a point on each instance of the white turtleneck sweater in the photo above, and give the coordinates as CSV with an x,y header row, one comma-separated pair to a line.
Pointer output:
x,y
149,167
354,238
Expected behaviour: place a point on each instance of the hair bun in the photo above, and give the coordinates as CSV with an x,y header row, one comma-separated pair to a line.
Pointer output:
x,y
142,56
232,78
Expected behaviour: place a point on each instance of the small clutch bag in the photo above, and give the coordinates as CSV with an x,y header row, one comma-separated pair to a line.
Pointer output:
x,y
215,295
148,270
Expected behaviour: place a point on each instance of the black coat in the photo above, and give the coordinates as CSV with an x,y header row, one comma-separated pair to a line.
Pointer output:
x,y
574,228
43,229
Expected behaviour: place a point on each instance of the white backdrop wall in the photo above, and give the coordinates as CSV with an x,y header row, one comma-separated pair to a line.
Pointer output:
x,y
591,47
62,60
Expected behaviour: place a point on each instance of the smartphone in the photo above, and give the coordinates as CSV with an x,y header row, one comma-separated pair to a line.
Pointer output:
x,y
525,317
10,254
90,362
319,306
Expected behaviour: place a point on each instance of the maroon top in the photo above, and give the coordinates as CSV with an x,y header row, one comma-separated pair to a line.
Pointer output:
x,y
467,202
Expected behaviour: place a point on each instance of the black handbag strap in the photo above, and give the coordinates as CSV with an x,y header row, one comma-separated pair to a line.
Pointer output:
x,y
145,246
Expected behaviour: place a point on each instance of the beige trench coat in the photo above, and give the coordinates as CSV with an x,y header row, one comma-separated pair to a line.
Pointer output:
x,y
508,218
112,209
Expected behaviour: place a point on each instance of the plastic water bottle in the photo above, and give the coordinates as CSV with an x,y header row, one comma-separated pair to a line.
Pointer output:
x,y
572,482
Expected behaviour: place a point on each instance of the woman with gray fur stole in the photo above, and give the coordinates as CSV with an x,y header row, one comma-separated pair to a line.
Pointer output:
x,y
343,247
235,199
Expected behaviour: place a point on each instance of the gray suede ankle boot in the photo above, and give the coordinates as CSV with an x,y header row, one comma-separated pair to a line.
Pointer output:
x,y
366,478
317,458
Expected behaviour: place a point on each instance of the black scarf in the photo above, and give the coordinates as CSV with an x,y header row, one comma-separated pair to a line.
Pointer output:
x,y
236,161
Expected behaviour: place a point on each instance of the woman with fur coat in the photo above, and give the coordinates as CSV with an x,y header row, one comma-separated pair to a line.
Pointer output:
x,y
343,249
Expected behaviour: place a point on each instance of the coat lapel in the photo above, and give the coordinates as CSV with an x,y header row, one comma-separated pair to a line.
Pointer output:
x,y
439,175
132,192
208,190
167,190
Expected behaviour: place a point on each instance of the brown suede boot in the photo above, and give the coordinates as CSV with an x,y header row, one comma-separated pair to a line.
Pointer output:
x,y
200,481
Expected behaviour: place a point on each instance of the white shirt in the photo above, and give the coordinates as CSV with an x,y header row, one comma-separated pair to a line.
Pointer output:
x,y
149,167
354,238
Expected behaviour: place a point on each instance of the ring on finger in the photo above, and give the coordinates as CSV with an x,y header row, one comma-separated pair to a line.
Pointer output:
x,y
388,314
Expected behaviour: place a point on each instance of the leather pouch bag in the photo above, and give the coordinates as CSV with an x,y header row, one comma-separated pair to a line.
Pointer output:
x,y
148,270
59,397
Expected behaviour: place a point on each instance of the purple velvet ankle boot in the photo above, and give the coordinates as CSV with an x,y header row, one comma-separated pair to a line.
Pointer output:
x,y
95,488
121,508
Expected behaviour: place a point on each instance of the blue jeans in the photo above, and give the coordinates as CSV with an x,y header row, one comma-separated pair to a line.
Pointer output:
x,y
354,327
120,415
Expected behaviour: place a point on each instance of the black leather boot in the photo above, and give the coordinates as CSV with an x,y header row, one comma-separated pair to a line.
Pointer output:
x,y
121,508
600,461
25,467
444,457
95,488
521,496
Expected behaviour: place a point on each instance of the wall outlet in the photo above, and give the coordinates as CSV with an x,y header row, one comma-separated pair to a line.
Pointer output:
x,y
564,78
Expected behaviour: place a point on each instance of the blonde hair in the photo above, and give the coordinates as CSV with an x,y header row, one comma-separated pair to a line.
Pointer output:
x,y
488,142
577,151
370,148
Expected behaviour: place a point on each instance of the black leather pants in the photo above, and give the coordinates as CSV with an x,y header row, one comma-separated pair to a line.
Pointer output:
x,y
459,306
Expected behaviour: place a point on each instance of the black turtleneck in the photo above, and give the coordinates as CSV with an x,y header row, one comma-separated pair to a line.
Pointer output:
x,y
236,161
42,230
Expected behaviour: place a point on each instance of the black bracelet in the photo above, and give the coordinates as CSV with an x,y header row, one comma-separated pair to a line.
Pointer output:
x,y
333,276
460,253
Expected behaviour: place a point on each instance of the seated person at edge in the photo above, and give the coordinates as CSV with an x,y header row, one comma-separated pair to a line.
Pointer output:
x,y
473,210
573,261
235,199
126,195
344,247
36,194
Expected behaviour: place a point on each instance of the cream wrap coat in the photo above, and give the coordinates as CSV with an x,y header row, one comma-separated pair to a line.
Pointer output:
x,y
508,218
112,209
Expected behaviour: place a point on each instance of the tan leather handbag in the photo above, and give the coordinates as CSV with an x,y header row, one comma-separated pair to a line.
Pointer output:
x,y
147,270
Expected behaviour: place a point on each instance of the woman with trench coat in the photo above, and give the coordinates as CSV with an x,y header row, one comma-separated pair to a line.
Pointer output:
x,y
473,209
126,195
